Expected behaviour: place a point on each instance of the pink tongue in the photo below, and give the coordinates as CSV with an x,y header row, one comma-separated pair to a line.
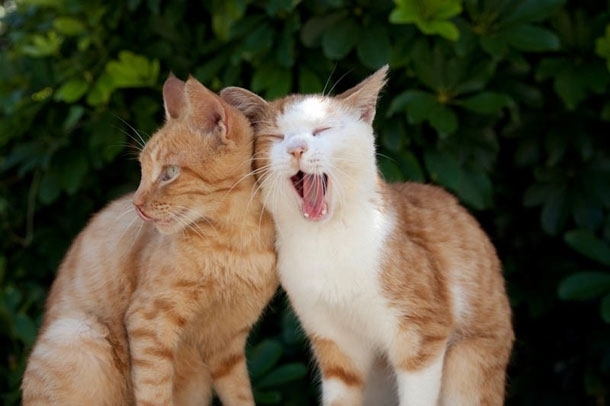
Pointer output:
x,y
314,205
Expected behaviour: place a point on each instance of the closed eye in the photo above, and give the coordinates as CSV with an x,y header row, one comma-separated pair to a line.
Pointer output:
x,y
169,172
318,131
278,137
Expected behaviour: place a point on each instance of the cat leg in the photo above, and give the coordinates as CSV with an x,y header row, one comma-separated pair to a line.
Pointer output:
x,y
230,373
192,380
154,326
418,364
420,387
343,374
474,373
77,362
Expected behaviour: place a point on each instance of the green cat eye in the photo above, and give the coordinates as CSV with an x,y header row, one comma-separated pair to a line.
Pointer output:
x,y
169,172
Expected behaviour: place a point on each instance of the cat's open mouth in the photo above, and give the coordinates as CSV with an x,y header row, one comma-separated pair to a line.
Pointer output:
x,y
312,188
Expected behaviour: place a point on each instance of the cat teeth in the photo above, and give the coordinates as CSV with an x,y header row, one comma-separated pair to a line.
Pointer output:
x,y
324,212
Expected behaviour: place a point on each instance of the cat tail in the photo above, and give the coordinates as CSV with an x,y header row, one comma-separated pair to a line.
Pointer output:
x,y
77,362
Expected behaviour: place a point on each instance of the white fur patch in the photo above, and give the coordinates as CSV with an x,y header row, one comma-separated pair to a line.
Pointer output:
x,y
459,301
66,330
334,390
421,388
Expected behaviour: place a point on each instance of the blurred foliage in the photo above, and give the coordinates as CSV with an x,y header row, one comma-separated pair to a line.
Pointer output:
x,y
503,102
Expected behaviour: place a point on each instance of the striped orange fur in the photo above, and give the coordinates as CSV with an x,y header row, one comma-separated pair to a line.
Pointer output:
x,y
154,300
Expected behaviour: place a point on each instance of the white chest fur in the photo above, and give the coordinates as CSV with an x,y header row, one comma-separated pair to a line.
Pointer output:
x,y
331,272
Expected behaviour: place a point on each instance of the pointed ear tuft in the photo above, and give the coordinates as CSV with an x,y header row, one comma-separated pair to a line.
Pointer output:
x,y
364,95
173,97
245,101
206,109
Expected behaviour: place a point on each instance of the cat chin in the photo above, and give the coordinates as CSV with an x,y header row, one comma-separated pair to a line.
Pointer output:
x,y
167,227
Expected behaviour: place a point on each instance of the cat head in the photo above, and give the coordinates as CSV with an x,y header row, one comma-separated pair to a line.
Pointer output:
x,y
189,166
314,154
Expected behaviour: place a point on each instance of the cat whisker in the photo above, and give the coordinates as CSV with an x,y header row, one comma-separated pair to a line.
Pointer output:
x,y
264,178
379,154
332,72
128,226
188,222
138,139
336,83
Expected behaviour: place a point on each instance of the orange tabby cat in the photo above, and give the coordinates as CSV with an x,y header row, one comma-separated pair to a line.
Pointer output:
x,y
396,285
155,309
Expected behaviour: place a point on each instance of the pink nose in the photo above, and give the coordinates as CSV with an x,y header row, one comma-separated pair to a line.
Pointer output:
x,y
297,151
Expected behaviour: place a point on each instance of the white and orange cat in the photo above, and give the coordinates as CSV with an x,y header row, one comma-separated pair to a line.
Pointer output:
x,y
155,298
397,287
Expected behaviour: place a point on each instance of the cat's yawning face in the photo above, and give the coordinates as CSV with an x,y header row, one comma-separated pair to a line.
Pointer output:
x,y
316,150
314,154
300,125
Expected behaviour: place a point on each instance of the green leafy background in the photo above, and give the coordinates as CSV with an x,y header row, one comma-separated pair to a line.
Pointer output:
x,y
503,102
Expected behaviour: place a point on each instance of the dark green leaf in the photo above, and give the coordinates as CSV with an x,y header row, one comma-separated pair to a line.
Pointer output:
x,y
394,136
530,11
283,374
74,115
280,86
390,169
569,89
50,187
411,167
485,102
285,53
263,357
475,189
430,65
554,211
24,329
443,169
417,103
267,397
276,7
495,45
105,143
314,28
374,47
309,82
586,243
11,298
72,168
260,39
224,15
443,119
584,285
340,38
531,38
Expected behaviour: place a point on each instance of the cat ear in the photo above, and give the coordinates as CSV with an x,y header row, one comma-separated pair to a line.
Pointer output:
x,y
364,95
206,108
173,97
245,101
